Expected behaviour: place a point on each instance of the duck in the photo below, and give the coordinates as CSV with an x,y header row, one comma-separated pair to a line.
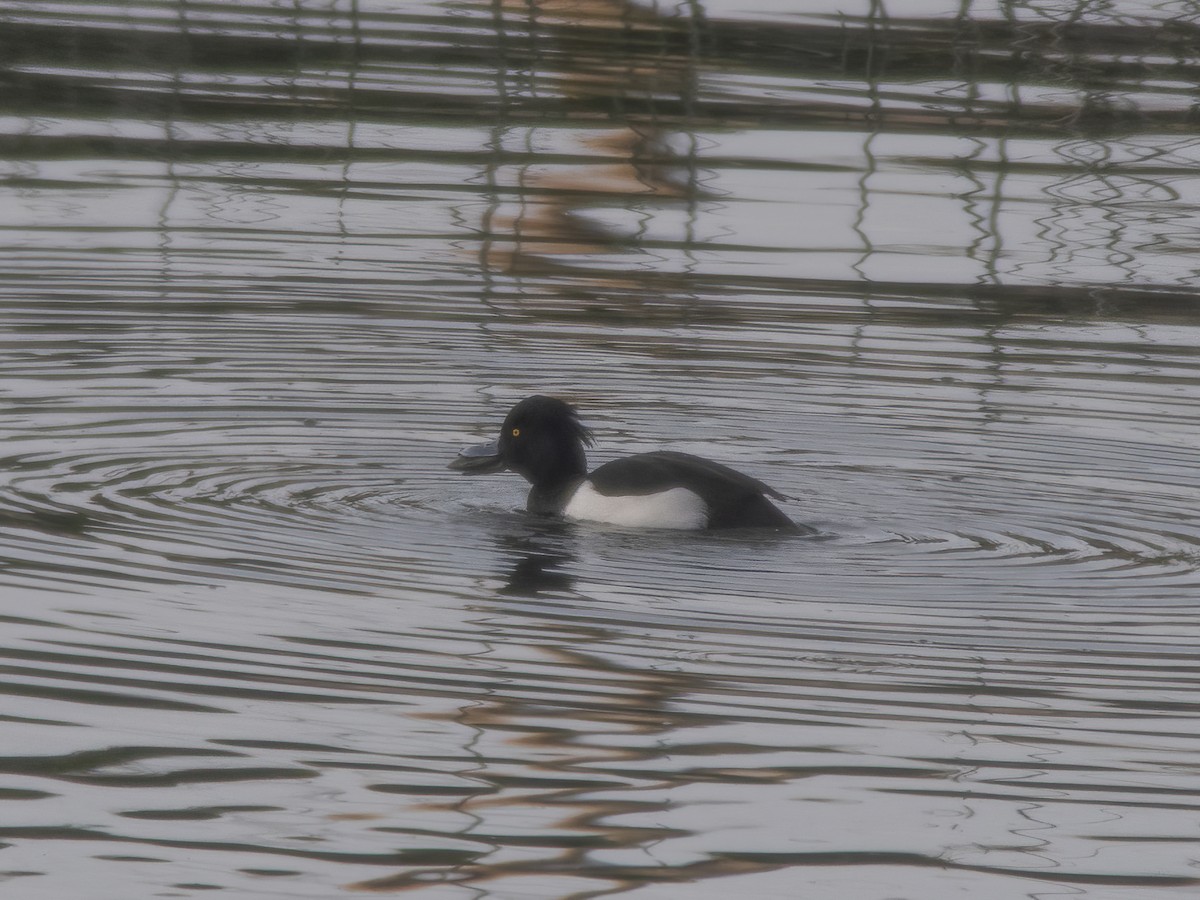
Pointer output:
x,y
543,440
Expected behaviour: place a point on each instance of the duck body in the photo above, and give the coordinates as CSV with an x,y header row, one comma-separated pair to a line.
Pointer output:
x,y
543,440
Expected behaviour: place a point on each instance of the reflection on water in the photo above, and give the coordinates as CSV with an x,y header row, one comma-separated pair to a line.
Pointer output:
x,y
265,267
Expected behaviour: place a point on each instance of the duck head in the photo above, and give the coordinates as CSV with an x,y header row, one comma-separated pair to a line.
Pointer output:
x,y
541,440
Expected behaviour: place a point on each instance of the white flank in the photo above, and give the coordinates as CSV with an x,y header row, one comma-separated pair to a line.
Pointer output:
x,y
675,508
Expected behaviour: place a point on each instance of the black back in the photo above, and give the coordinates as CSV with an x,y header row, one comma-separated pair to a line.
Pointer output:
x,y
734,500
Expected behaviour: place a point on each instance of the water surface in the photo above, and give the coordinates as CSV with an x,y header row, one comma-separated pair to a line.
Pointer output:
x,y
265,267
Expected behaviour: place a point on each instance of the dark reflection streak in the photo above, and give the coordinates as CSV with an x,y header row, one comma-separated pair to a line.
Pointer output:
x,y
351,112
171,115
995,210
492,165
238,848
695,26
1037,839
644,149
534,66
1113,213
874,69
645,214
688,91
525,219
870,167
297,38
1066,211
966,44
859,225
1040,766
695,190
992,412
975,218
469,715
1024,36
526,94
966,56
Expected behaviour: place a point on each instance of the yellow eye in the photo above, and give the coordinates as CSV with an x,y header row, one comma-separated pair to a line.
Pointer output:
x,y
516,432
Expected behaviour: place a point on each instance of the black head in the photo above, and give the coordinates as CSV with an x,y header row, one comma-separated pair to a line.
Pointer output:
x,y
541,439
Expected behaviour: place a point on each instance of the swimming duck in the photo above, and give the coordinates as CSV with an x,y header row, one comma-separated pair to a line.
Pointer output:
x,y
543,440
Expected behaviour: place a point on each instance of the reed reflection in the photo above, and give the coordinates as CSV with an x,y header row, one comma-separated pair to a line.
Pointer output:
x,y
1034,77
607,135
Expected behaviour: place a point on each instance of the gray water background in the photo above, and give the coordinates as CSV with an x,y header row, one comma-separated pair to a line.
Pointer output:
x,y
930,269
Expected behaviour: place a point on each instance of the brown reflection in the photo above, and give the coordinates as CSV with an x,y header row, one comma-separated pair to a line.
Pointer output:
x,y
569,757
574,784
599,108
654,81
607,56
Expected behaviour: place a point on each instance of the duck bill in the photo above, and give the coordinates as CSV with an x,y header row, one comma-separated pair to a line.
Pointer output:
x,y
482,459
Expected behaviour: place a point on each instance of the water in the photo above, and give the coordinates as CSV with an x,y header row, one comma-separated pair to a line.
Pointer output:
x,y
264,268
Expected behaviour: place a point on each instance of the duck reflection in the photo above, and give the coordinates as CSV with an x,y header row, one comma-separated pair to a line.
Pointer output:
x,y
539,573
543,561
569,738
